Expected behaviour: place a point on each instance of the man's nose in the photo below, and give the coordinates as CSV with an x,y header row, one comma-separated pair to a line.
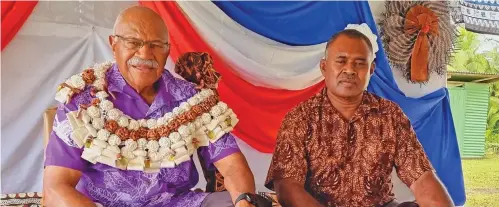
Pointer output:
x,y
348,69
145,52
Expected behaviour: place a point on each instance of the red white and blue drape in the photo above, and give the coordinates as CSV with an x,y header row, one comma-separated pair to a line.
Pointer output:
x,y
268,55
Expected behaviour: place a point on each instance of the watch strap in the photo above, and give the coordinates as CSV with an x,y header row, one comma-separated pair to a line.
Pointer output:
x,y
246,196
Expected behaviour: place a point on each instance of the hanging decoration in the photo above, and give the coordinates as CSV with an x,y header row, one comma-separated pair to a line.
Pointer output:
x,y
418,37
481,16
455,12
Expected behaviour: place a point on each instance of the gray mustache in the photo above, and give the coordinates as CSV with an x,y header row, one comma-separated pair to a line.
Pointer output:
x,y
347,77
136,61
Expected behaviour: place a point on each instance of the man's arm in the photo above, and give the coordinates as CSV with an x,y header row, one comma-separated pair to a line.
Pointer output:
x,y
288,170
237,175
414,168
430,192
63,165
292,193
59,188
224,154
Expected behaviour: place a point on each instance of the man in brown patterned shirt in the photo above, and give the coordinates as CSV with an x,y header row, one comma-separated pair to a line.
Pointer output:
x,y
339,147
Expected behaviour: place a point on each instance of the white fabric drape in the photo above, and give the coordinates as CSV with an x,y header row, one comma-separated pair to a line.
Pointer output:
x,y
257,59
58,40
32,67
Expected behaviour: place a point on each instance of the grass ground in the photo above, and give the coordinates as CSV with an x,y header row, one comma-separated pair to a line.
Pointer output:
x,y
481,180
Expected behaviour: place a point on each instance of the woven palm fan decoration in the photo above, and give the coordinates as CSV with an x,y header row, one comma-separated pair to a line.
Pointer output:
x,y
418,37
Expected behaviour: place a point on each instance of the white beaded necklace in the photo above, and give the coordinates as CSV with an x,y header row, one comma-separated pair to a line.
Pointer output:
x,y
93,127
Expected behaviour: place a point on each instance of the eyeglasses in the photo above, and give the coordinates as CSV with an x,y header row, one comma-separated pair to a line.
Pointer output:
x,y
135,44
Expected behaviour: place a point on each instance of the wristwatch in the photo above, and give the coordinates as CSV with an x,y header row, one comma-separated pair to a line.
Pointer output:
x,y
251,198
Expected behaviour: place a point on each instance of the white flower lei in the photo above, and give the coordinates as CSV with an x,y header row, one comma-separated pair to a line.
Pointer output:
x,y
365,30
102,146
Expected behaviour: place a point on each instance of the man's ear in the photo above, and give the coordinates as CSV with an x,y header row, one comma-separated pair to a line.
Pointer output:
x,y
323,66
373,66
112,43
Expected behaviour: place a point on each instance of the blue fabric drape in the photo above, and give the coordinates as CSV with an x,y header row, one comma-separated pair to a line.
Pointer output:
x,y
293,23
431,118
308,23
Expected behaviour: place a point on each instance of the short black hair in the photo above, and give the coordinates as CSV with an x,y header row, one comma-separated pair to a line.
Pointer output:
x,y
352,34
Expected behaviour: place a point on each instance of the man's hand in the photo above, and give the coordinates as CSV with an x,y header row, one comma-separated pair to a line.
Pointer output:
x,y
292,193
429,192
244,203
59,188
238,178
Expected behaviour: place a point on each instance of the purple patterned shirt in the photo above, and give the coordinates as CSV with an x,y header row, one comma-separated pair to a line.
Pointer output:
x,y
114,187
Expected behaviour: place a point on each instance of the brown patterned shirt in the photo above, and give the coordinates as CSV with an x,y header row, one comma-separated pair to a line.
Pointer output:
x,y
347,163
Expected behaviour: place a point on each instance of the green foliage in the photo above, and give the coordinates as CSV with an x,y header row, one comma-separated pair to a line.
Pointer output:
x,y
491,137
492,148
467,57
493,58
492,133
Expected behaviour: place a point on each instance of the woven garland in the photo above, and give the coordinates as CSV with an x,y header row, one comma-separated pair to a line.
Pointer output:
x,y
109,136
418,37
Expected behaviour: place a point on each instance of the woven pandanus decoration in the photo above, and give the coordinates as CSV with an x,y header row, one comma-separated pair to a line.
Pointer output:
x,y
418,37
197,68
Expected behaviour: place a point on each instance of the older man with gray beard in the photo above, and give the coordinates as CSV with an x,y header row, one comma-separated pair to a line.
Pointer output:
x,y
125,132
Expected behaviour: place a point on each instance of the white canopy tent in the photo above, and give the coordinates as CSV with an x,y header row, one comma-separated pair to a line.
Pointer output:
x,y
58,40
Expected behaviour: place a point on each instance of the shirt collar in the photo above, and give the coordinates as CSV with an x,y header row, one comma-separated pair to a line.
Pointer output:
x,y
116,82
368,104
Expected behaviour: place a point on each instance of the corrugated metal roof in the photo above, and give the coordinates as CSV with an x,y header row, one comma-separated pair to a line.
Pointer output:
x,y
471,73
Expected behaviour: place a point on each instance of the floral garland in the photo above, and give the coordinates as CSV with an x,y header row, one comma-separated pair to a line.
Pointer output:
x,y
110,137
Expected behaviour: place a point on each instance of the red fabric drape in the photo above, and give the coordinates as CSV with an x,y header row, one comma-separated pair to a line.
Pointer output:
x,y
14,14
260,110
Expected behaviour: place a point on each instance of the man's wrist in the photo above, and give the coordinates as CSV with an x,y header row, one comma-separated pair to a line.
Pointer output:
x,y
243,203
245,199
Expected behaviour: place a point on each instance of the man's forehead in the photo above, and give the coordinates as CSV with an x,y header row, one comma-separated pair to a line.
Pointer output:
x,y
141,21
338,52
142,32
349,47
356,56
